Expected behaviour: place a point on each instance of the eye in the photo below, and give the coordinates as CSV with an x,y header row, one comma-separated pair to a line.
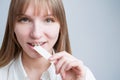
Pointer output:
x,y
24,20
49,20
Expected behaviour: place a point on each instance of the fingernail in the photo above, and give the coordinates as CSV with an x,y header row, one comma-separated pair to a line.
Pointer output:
x,y
51,58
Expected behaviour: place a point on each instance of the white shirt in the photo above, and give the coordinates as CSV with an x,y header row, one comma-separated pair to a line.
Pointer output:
x,y
15,71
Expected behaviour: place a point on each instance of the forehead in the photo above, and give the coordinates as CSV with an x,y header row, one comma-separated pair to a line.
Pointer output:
x,y
37,9
33,7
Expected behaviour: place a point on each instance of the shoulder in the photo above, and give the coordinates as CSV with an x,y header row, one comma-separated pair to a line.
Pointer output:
x,y
89,74
4,70
6,66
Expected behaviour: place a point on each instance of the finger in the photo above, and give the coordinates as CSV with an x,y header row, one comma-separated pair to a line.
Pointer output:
x,y
57,56
62,70
76,66
63,74
75,63
59,64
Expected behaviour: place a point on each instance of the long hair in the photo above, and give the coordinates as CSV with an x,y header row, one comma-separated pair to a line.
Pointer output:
x,y
10,48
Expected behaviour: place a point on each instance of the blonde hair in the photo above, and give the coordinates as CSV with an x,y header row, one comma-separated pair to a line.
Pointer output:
x,y
10,48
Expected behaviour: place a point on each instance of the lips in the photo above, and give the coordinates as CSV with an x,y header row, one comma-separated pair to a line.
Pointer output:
x,y
36,44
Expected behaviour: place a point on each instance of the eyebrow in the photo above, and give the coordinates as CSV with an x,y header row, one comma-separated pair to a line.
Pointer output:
x,y
18,15
26,15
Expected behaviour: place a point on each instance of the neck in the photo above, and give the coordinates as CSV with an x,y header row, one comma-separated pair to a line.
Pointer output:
x,y
34,66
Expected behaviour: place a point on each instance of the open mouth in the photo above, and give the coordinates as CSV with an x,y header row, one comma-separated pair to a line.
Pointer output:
x,y
36,44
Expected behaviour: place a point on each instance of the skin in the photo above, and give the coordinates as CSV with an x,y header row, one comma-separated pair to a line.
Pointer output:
x,y
68,66
31,29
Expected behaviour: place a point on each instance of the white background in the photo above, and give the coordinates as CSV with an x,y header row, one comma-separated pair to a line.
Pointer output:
x,y
94,30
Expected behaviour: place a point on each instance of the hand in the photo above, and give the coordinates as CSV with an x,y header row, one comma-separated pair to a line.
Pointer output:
x,y
68,66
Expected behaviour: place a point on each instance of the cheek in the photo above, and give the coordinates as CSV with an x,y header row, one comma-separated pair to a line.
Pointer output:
x,y
52,36
54,32
19,37
21,34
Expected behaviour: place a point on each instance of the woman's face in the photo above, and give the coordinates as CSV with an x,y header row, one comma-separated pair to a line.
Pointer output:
x,y
32,29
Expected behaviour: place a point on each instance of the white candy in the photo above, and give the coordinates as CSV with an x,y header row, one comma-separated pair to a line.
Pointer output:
x,y
42,52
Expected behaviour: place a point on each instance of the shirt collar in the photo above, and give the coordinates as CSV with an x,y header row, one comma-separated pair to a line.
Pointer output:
x,y
22,75
20,72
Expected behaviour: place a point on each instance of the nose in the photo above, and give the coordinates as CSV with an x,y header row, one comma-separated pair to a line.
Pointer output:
x,y
37,30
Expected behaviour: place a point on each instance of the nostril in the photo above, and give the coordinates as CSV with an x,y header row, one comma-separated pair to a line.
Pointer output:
x,y
36,34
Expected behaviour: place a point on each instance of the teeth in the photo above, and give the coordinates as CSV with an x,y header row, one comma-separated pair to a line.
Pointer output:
x,y
36,44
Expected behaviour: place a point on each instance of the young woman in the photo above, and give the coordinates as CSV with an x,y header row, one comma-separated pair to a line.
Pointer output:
x,y
43,23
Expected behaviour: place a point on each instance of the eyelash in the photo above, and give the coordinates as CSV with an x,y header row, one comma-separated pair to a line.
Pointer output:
x,y
27,20
24,19
50,20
